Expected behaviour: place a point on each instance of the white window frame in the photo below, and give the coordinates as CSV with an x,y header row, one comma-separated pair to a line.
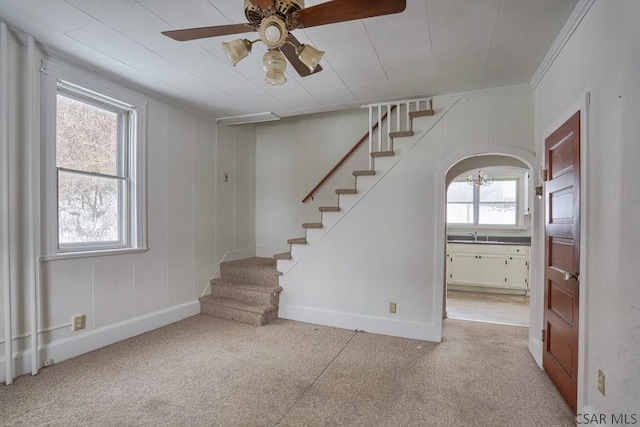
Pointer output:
x,y
59,77
520,195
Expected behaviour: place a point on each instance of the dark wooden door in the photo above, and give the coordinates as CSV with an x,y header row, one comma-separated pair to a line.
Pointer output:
x,y
562,257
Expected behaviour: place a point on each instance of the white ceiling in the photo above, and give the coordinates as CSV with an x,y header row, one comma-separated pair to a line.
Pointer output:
x,y
433,47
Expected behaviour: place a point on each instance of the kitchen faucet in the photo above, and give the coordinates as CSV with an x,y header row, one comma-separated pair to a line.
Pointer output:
x,y
475,236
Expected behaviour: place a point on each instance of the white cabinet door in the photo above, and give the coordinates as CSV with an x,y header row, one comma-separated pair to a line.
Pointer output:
x,y
495,266
463,267
517,271
491,270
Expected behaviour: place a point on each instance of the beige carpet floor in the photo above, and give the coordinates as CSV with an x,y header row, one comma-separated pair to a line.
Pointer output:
x,y
205,371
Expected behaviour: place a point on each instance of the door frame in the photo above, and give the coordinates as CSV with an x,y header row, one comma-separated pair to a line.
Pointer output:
x,y
536,348
525,156
536,303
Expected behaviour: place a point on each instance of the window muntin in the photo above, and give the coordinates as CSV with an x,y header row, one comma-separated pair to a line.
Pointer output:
x,y
494,204
93,143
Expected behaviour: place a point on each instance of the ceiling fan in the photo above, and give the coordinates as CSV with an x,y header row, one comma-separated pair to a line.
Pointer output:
x,y
275,19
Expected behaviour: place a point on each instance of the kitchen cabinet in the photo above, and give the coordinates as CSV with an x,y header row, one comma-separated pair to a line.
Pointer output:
x,y
488,265
517,263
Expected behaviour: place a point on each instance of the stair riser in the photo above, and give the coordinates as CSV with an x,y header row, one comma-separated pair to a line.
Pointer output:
x,y
239,315
265,276
245,295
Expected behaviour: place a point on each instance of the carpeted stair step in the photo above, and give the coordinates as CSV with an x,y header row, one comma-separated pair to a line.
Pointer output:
x,y
367,172
297,241
383,154
243,291
283,255
312,225
329,208
256,270
237,310
421,113
401,134
346,191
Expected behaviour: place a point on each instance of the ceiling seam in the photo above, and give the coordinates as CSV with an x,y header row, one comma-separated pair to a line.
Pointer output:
x,y
167,59
375,50
332,69
493,38
219,11
433,54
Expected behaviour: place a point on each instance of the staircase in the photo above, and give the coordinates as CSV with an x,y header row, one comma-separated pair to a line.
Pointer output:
x,y
247,292
384,149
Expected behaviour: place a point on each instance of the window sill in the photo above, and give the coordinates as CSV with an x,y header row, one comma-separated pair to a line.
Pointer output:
x,y
93,253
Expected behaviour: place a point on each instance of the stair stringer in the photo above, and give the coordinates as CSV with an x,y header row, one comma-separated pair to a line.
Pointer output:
x,y
316,298
383,166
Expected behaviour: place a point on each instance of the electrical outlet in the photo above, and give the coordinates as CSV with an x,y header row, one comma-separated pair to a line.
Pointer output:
x,y
392,307
78,322
601,379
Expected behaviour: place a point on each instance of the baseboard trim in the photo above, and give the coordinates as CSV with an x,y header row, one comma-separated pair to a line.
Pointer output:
x,y
89,341
376,325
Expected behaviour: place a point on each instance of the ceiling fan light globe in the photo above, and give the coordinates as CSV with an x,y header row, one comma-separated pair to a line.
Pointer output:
x,y
272,33
237,50
275,79
274,64
309,56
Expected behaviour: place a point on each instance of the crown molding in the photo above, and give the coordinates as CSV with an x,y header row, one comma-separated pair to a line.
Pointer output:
x,y
572,23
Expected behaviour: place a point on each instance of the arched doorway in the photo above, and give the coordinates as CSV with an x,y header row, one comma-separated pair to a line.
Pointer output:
x,y
488,229
474,159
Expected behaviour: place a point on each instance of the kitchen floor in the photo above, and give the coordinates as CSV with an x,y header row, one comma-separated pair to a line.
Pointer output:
x,y
487,307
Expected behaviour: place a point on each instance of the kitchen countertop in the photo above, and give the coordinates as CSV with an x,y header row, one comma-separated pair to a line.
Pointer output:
x,y
490,240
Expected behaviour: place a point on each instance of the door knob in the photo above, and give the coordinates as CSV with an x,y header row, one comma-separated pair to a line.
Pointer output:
x,y
569,276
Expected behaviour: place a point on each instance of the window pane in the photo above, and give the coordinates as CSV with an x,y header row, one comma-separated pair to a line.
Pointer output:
x,y
497,213
460,213
88,208
499,191
86,137
460,192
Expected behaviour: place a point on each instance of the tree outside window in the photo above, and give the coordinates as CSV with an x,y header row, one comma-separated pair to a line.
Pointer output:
x,y
92,143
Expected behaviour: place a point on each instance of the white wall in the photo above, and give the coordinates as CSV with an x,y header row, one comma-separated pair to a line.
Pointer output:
x,y
293,155
602,58
236,203
190,227
114,289
385,249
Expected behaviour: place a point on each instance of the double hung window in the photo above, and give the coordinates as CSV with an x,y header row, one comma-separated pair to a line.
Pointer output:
x,y
93,139
94,170
489,204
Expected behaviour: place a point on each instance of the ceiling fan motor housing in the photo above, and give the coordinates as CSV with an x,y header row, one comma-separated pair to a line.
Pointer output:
x,y
282,7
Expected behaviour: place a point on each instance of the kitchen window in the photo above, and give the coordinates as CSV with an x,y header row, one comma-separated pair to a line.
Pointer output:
x,y
489,204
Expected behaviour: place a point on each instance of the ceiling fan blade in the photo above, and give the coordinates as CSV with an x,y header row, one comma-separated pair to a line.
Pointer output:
x,y
262,4
204,32
290,52
347,10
